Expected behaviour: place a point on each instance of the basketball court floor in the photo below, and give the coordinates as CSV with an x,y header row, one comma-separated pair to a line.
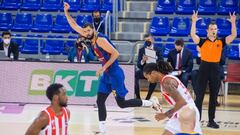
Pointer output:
x,y
15,119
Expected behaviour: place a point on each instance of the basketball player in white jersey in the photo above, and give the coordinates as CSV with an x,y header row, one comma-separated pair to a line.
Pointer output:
x,y
54,119
175,93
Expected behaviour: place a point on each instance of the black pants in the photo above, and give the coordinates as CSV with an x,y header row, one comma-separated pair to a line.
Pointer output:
x,y
122,103
152,86
208,72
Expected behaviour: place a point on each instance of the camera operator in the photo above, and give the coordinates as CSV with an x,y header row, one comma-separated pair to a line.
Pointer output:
x,y
81,52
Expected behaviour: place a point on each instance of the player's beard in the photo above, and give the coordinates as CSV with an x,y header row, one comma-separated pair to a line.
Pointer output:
x,y
63,104
90,37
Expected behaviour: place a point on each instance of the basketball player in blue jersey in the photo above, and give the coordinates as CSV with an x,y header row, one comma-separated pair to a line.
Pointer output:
x,y
112,76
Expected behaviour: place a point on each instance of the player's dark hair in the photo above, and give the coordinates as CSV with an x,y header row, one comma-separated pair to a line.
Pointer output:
x,y
52,90
161,66
88,25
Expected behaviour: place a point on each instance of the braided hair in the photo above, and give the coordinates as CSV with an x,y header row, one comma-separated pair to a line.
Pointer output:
x,y
161,66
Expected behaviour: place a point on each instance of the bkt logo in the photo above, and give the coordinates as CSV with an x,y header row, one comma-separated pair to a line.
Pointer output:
x,y
77,83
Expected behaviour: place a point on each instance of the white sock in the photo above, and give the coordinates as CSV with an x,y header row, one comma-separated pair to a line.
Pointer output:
x,y
147,103
102,126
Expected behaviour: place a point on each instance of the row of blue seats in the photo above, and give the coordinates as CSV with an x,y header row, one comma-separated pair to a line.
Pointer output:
x,y
231,51
55,5
56,47
160,26
42,23
203,6
52,47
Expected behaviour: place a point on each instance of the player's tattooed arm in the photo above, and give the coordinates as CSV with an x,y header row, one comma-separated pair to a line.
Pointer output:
x,y
170,85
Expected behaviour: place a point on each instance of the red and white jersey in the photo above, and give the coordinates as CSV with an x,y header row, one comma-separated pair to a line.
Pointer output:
x,y
57,125
181,89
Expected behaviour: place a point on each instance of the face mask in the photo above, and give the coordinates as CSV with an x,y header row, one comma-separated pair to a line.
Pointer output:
x,y
6,41
97,19
148,43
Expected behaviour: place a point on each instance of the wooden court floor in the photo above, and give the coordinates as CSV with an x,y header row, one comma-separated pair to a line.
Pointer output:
x,y
135,121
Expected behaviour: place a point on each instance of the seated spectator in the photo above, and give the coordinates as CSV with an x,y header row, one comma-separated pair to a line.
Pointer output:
x,y
142,60
181,60
81,52
97,22
8,46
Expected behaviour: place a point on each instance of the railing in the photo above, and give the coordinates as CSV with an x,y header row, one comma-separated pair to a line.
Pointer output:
x,y
108,24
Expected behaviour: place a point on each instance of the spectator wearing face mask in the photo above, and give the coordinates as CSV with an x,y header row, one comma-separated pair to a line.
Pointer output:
x,y
181,60
8,46
98,22
142,60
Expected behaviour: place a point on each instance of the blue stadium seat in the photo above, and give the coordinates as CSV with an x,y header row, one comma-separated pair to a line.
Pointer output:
x,y
61,24
208,7
23,22
224,27
192,47
69,45
11,4
75,5
202,26
159,26
186,6
90,5
233,52
31,45
19,41
31,5
180,27
82,19
226,6
43,23
5,21
165,7
157,40
53,47
51,5
238,28
107,5
168,47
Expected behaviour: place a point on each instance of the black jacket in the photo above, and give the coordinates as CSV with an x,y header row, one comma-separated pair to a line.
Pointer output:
x,y
13,48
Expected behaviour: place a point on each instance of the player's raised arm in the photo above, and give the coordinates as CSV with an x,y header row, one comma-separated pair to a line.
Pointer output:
x,y
72,22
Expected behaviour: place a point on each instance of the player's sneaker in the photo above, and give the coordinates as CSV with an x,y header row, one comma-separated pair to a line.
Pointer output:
x,y
156,105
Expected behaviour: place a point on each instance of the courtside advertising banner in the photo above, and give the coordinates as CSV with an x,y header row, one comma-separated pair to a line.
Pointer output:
x,y
26,82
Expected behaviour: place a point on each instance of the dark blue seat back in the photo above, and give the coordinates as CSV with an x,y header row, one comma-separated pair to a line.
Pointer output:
x,y
5,21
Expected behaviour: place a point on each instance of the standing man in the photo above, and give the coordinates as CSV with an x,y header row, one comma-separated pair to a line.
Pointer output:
x,y
8,46
111,74
97,22
181,60
54,119
211,49
142,59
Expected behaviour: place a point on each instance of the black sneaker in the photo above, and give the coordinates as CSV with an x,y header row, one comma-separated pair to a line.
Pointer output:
x,y
212,125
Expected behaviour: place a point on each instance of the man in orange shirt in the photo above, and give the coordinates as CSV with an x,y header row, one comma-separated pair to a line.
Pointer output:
x,y
211,49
